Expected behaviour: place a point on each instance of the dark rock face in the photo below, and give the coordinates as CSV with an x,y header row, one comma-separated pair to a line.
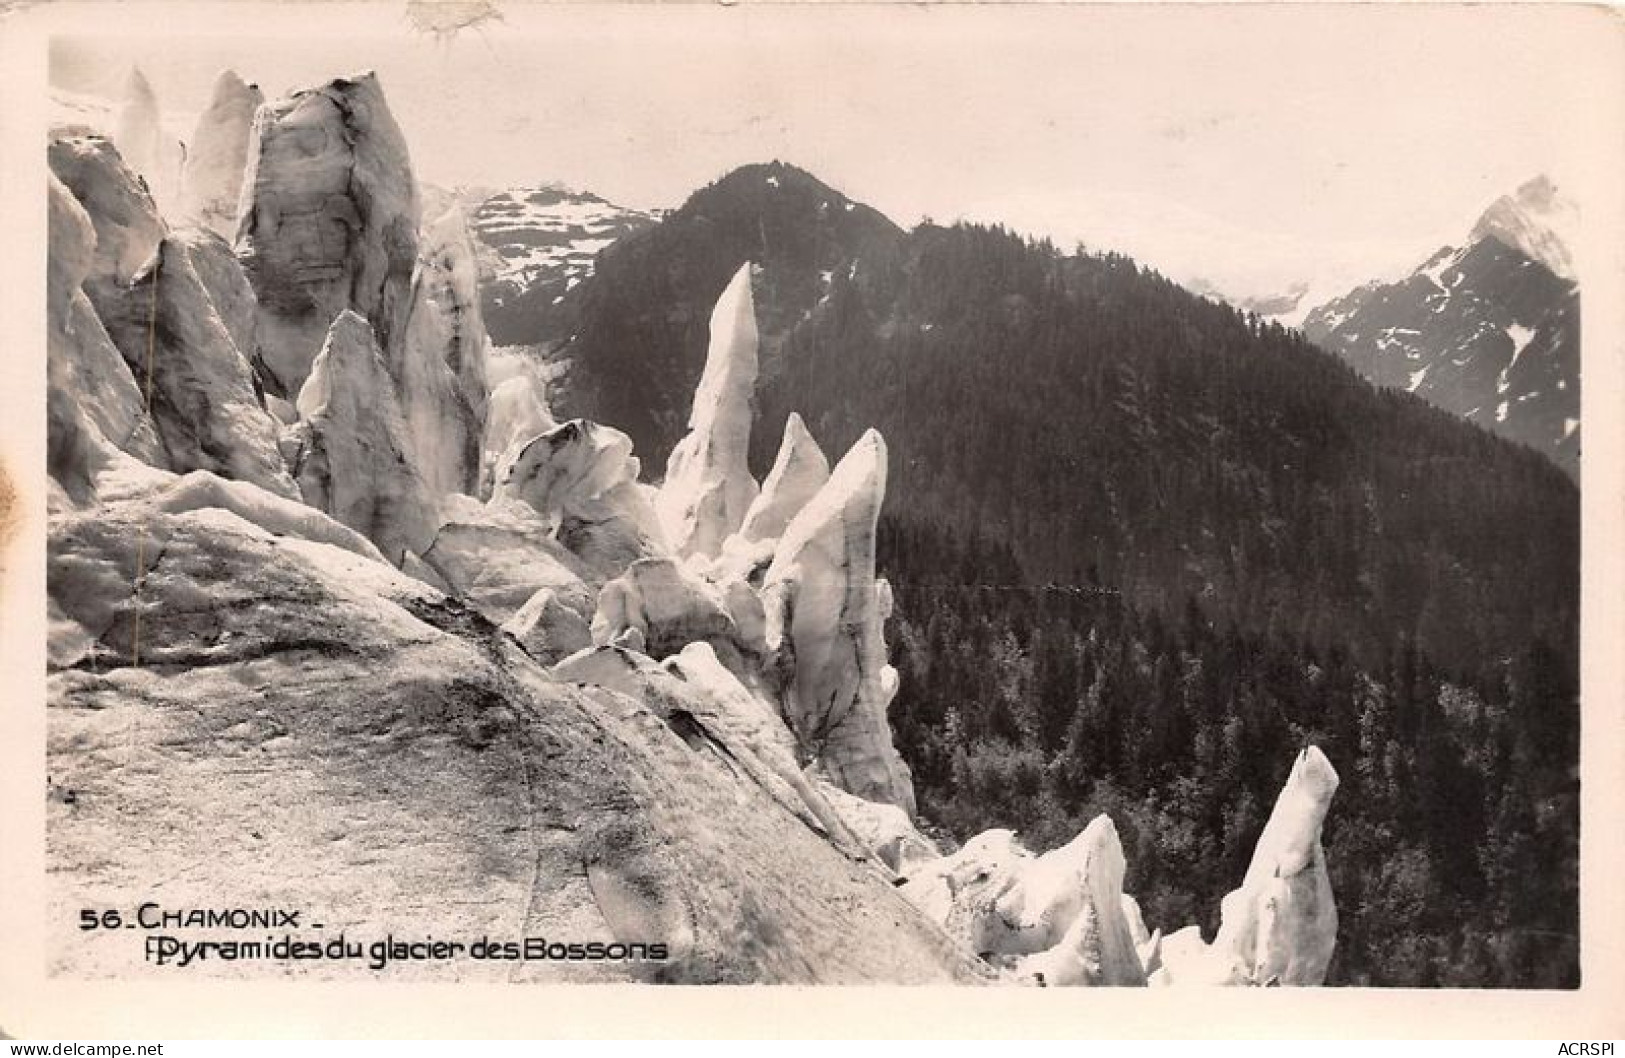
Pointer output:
x,y
635,335
535,245
1488,332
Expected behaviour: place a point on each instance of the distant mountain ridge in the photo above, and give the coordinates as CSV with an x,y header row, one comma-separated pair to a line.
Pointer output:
x,y
542,241
1102,376
1139,542
633,336
1489,331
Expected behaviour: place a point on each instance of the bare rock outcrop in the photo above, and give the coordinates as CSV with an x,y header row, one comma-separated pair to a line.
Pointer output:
x,y
826,610
349,449
217,156
708,487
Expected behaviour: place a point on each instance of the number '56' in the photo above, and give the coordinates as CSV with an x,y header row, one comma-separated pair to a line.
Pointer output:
x,y
108,919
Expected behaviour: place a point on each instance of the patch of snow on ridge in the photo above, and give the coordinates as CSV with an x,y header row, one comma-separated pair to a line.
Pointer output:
x,y
1521,337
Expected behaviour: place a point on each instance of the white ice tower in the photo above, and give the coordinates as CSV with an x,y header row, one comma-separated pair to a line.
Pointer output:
x,y
825,608
708,487
218,155
138,133
1280,927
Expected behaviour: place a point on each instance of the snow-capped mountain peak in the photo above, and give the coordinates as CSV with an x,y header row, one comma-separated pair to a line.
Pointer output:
x,y
550,232
1537,220
1489,330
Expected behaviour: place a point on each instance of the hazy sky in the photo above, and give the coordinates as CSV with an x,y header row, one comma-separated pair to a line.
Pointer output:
x,y
1254,145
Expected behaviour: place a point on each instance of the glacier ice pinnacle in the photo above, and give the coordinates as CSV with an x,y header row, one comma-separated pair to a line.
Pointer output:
x,y
1281,925
83,367
122,212
215,159
1058,919
198,383
708,486
439,365
582,478
825,609
798,473
138,132
351,446
329,222
516,412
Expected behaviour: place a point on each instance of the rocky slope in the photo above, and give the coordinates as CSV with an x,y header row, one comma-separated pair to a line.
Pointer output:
x,y
541,242
633,335
1489,331
344,687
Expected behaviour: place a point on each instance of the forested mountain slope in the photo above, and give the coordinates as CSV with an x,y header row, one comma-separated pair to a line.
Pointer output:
x,y
1140,543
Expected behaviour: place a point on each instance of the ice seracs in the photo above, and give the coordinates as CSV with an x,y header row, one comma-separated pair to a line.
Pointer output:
x,y
1057,919
86,376
121,209
329,222
447,283
688,736
439,365
1281,925
667,604
1098,949
198,385
825,609
217,155
349,450
138,131
498,556
548,628
516,412
583,479
708,486
799,471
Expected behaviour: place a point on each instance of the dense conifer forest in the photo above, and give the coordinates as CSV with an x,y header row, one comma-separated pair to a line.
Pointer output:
x,y
1144,547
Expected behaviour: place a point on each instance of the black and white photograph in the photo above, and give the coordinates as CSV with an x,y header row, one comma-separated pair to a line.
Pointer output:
x,y
1015,497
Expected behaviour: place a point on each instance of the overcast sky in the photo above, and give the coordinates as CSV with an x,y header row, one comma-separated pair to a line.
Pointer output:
x,y
1254,145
